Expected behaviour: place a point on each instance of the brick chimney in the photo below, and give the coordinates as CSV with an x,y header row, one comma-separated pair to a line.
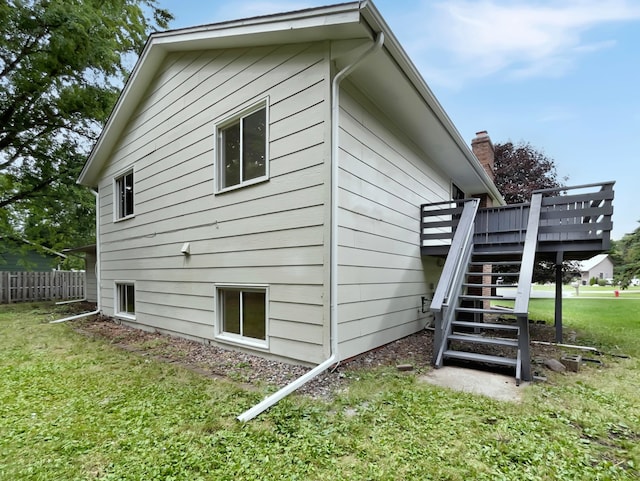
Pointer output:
x,y
483,149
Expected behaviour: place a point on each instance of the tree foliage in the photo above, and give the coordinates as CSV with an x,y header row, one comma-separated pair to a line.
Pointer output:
x,y
62,65
625,255
520,169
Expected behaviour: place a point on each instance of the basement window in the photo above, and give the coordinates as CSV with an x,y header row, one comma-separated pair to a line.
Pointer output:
x,y
242,149
242,315
125,300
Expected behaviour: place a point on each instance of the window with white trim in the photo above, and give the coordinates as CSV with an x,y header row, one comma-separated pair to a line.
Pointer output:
x,y
242,314
242,149
125,300
123,192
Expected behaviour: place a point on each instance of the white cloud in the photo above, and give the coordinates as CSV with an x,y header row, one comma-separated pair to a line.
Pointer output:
x,y
474,39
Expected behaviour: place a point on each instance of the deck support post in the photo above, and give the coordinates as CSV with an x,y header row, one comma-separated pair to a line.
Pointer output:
x,y
523,347
558,309
437,336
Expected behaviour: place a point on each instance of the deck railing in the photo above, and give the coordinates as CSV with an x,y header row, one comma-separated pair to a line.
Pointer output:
x,y
571,218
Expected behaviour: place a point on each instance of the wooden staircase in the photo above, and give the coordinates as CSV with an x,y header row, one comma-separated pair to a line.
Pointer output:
x,y
480,333
462,300
482,245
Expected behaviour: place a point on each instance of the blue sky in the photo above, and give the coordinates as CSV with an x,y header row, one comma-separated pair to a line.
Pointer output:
x,y
562,75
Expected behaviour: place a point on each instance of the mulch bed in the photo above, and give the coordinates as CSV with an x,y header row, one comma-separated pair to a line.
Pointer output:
x,y
254,372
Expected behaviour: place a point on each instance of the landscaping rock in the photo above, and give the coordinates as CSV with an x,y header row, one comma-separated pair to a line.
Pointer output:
x,y
555,365
405,367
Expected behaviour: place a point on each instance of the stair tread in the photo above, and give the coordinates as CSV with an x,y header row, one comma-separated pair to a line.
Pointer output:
x,y
485,325
496,263
484,340
493,274
516,251
485,311
472,356
480,298
471,284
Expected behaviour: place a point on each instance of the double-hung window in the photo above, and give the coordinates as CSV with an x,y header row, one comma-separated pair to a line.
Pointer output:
x,y
125,300
242,314
124,195
242,149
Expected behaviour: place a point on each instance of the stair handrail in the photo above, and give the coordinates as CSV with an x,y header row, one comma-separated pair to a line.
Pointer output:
x,y
449,314
525,279
452,275
459,243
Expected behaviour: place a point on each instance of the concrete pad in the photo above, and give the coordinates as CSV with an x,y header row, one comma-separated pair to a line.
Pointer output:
x,y
493,385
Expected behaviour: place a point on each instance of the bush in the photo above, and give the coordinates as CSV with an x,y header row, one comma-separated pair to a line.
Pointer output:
x,y
602,282
592,281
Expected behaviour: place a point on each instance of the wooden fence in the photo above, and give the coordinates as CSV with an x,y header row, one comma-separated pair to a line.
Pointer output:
x,y
41,286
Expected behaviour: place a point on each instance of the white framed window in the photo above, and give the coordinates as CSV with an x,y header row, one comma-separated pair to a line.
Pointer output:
x,y
123,195
242,314
241,142
125,299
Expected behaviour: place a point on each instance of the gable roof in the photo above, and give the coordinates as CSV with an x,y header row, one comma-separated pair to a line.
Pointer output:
x,y
586,266
400,91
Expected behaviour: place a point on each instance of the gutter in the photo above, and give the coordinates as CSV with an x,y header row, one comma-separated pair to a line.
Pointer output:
x,y
98,307
333,324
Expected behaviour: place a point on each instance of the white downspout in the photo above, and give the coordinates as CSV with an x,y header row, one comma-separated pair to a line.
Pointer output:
x,y
333,324
98,308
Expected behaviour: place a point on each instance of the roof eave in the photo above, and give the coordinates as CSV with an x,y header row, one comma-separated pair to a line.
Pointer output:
x,y
371,14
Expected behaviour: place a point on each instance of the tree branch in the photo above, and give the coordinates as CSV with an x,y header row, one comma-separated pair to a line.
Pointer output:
x,y
27,49
26,193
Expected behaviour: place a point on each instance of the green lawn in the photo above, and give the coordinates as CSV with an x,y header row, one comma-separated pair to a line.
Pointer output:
x,y
592,291
74,408
612,323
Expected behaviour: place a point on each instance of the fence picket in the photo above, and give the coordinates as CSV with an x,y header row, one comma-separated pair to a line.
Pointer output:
x,y
41,286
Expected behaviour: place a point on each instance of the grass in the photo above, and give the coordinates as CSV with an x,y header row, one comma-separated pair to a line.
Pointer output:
x,y
591,291
76,408
611,323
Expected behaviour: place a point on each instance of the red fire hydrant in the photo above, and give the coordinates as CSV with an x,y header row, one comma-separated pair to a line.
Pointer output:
x,y
616,293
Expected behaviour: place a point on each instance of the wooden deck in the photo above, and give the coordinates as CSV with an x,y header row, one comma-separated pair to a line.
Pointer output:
x,y
574,221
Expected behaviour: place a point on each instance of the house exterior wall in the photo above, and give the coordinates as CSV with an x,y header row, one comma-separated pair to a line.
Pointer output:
x,y
91,285
383,181
602,270
270,234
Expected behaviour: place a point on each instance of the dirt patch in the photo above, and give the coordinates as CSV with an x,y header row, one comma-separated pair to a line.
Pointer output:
x,y
254,372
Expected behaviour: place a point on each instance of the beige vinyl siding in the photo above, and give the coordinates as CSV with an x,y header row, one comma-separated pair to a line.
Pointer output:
x,y
383,180
269,234
91,286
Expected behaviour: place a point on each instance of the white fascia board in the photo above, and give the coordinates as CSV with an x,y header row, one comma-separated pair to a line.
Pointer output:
x,y
334,22
312,24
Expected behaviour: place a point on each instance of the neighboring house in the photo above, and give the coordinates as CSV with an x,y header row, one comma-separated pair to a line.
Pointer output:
x,y
254,193
598,267
20,255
